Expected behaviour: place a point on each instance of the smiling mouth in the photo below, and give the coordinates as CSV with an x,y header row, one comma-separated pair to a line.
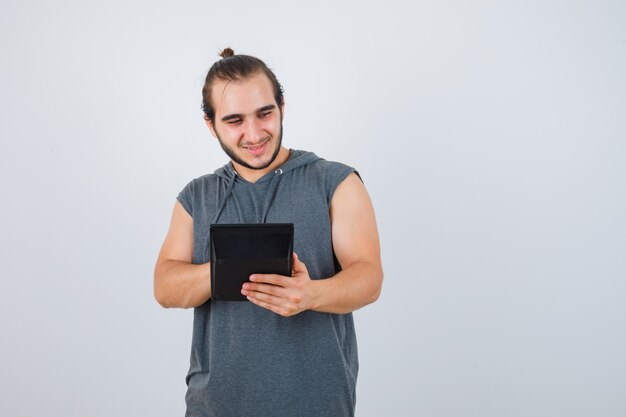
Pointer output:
x,y
255,147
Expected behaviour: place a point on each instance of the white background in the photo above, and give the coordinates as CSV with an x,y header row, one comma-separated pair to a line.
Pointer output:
x,y
491,137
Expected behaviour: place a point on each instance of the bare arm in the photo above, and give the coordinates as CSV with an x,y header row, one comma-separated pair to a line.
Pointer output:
x,y
356,245
178,282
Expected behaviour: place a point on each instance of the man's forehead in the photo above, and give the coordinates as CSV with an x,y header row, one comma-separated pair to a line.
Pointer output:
x,y
244,94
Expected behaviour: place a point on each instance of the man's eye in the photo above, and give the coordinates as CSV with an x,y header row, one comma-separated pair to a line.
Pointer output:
x,y
234,121
264,114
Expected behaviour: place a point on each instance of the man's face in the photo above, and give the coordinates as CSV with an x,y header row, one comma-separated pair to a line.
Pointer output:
x,y
248,123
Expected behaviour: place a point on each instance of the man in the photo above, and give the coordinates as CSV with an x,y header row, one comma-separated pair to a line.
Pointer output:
x,y
291,350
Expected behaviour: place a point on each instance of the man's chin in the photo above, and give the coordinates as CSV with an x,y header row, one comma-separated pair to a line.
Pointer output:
x,y
259,162
260,166
254,163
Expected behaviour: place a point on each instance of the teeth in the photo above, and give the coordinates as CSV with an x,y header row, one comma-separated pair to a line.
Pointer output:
x,y
257,146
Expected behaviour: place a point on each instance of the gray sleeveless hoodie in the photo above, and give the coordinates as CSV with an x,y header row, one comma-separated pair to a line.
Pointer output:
x,y
248,361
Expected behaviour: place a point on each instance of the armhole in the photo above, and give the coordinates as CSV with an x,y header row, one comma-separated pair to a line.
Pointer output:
x,y
185,199
338,179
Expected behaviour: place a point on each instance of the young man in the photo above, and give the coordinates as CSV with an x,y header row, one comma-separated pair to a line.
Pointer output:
x,y
291,350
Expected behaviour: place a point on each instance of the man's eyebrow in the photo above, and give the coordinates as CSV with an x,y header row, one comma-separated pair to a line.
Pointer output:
x,y
230,116
238,115
266,108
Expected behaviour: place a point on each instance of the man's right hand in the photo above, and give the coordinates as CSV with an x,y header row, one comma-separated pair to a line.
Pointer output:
x,y
178,282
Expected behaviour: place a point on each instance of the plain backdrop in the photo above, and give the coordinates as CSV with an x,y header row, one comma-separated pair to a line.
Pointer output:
x,y
491,137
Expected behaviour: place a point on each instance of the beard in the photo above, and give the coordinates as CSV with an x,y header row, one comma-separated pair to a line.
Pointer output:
x,y
233,156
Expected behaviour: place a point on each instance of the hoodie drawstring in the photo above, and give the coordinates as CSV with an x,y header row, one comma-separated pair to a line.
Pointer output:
x,y
229,190
268,201
278,174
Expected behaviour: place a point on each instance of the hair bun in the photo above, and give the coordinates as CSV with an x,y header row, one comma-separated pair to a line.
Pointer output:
x,y
227,52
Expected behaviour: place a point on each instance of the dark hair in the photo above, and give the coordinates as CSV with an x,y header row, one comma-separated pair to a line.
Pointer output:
x,y
236,67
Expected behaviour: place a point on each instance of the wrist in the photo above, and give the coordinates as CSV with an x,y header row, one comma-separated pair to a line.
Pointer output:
x,y
317,286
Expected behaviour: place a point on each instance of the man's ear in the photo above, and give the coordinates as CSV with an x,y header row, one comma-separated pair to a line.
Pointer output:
x,y
282,108
210,125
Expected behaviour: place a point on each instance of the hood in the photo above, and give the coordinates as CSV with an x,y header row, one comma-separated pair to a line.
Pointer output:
x,y
227,172
296,159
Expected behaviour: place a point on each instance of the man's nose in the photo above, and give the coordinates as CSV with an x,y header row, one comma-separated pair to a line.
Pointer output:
x,y
253,131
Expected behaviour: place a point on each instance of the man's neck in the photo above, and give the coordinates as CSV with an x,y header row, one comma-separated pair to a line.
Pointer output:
x,y
252,175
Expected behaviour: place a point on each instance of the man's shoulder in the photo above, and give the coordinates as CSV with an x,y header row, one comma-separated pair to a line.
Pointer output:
x,y
328,165
333,168
203,182
324,166
327,173
205,179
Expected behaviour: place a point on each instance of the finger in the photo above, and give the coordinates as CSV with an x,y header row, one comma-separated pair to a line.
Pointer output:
x,y
298,265
268,306
268,279
267,298
262,288
262,303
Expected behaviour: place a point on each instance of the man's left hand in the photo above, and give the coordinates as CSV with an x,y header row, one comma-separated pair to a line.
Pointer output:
x,y
283,295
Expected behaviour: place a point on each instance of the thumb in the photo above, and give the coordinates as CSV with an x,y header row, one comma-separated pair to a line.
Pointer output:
x,y
298,266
